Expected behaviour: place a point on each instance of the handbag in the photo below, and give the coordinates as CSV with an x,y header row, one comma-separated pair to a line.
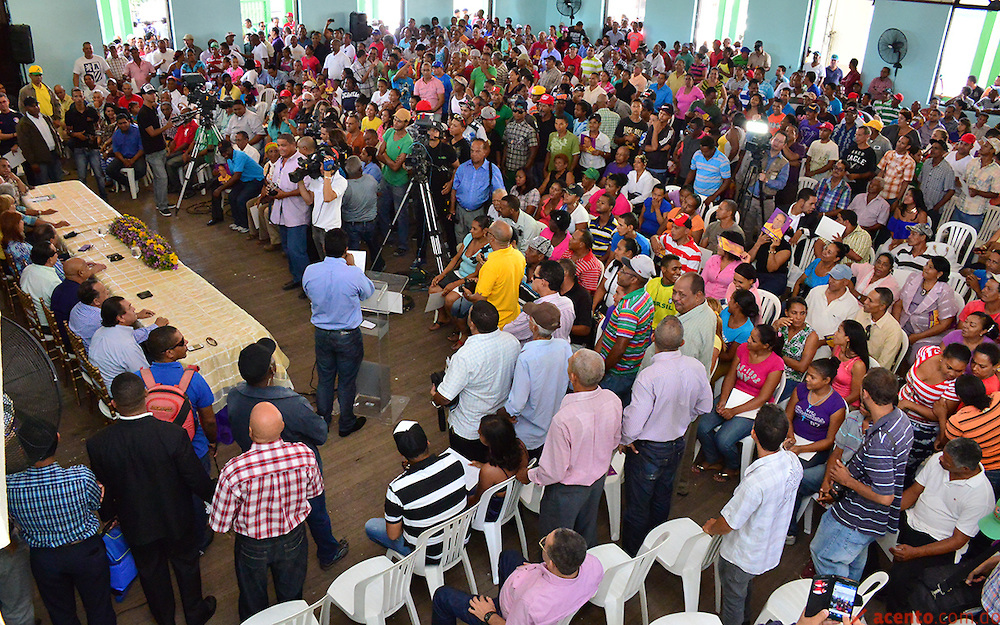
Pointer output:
x,y
121,562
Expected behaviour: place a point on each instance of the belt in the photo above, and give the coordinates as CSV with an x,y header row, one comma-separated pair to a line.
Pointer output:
x,y
357,329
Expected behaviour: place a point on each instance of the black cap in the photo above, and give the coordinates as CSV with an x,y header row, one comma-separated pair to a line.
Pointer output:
x,y
255,360
36,437
411,440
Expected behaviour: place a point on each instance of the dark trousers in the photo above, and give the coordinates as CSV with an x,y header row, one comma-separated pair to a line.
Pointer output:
x,y
649,486
239,194
154,562
903,574
339,354
284,556
472,449
449,603
83,567
115,167
321,529
202,533
47,172
573,507
737,587
359,232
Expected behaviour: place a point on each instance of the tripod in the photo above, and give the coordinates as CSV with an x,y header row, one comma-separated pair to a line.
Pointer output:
x,y
201,142
744,198
419,183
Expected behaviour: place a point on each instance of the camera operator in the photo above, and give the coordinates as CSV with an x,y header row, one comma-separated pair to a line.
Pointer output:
x,y
81,126
444,162
324,192
772,178
246,178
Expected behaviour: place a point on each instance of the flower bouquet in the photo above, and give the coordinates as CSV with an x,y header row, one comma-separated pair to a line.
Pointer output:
x,y
153,249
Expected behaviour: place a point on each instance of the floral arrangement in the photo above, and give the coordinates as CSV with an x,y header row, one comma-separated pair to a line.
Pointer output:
x,y
154,249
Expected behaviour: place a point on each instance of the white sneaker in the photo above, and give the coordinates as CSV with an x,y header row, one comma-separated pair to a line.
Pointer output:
x,y
233,227
790,539
241,229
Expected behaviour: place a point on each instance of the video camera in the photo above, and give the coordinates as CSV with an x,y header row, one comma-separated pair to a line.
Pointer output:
x,y
418,161
315,164
758,141
206,101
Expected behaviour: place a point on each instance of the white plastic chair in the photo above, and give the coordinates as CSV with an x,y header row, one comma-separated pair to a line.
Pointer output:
x,y
684,554
785,604
453,533
807,183
805,513
375,588
688,618
133,184
613,493
531,496
295,612
492,529
623,578
705,255
770,306
710,214
958,284
961,238
904,345
990,224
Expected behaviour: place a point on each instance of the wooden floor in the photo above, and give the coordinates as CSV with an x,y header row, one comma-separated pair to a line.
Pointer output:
x,y
358,468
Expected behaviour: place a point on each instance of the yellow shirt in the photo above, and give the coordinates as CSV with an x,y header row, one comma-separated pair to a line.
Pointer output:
x,y
499,279
675,82
371,124
663,299
44,99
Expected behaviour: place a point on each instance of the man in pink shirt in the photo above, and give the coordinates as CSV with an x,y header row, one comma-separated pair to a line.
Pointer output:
x,y
430,89
138,70
546,592
582,437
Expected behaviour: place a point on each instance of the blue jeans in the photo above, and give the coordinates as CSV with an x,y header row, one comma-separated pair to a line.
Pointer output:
x,y
723,445
450,604
338,357
85,157
364,231
659,174
284,557
839,550
157,163
375,529
649,485
620,384
388,201
47,172
976,221
294,240
318,521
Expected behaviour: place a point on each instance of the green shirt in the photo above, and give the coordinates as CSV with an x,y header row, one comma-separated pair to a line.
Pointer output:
x,y
210,140
503,114
479,79
568,145
393,149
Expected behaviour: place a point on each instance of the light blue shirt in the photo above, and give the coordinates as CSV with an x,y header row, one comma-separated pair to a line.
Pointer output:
x,y
540,383
472,184
115,351
336,291
640,240
248,168
710,172
84,321
663,95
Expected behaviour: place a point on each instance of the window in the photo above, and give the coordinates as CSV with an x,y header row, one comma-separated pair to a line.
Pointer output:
x,y
266,14
970,48
839,27
469,9
134,18
720,19
627,10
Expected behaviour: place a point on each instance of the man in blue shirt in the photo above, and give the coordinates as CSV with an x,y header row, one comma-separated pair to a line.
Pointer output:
x,y
773,175
126,145
166,345
402,83
336,288
246,179
662,91
473,187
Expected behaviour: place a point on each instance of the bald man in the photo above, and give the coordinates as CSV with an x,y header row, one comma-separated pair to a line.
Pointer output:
x,y
64,296
263,496
501,274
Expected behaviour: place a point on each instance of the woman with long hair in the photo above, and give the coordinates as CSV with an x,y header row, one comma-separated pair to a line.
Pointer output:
x,y
506,457
801,343
464,264
850,349
524,190
908,211
551,202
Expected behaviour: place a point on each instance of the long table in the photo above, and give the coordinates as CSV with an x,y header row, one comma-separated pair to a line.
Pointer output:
x,y
187,300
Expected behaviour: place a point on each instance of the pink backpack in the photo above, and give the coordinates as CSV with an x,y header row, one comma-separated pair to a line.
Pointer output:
x,y
168,402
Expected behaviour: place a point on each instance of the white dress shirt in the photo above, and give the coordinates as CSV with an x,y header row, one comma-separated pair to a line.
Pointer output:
x,y
825,317
39,281
479,375
326,215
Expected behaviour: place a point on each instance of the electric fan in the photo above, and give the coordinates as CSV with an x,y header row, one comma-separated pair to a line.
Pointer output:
x,y
569,8
32,401
892,47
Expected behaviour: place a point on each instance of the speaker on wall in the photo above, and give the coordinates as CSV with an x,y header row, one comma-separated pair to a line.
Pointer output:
x,y
360,31
22,50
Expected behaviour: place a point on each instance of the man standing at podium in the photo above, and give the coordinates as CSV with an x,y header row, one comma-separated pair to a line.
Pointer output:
x,y
336,288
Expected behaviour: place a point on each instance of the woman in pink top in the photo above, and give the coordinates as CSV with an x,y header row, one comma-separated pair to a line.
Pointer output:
x,y
745,277
719,269
613,187
756,372
556,233
850,348
871,277
686,95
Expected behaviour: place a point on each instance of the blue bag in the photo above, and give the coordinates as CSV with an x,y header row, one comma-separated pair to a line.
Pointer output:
x,y
123,571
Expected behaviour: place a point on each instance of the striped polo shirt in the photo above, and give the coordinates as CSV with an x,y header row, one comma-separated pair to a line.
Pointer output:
x,y
710,172
880,463
632,318
429,492
689,253
602,234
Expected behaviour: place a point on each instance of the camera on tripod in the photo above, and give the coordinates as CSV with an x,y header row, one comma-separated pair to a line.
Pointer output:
x,y
315,164
418,161
758,141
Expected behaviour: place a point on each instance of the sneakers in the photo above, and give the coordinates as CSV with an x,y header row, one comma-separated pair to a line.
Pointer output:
x,y
789,540
341,553
166,212
241,229
233,227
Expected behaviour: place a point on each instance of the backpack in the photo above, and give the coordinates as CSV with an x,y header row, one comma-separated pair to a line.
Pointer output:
x,y
168,402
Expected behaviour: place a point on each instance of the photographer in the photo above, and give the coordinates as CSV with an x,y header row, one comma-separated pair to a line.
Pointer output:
x,y
325,191
444,162
81,126
245,180
772,178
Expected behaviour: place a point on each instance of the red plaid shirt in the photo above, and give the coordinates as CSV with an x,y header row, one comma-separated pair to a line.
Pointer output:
x,y
264,492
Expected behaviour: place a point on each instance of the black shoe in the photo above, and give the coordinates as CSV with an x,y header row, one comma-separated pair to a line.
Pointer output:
x,y
341,553
358,424
291,285
166,212
208,608
213,221
400,251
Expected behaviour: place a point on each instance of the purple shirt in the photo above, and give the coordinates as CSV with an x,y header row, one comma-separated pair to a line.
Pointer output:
x,y
533,595
581,439
813,422
666,397
289,211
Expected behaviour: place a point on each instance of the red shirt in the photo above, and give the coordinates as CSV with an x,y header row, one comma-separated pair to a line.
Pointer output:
x,y
573,64
311,64
589,271
184,136
124,101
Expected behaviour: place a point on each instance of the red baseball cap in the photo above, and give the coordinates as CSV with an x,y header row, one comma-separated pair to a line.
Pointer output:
x,y
898,97
826,126
683,220
423,106
968,138
547,99
285,93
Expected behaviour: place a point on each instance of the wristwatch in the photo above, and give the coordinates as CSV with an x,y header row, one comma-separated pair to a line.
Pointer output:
x,y
488,616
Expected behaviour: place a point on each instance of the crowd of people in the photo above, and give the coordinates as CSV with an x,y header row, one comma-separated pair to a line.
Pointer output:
x,y
626,231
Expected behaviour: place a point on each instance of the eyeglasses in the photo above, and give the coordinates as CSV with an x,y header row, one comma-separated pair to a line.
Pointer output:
x,y
183,341
541,543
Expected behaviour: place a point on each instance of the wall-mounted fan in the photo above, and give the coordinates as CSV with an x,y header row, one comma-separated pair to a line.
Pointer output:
x,y
569,8
32,401
892,47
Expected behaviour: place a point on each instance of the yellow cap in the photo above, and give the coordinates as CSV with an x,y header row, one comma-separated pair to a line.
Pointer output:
x,y
875,123
35,69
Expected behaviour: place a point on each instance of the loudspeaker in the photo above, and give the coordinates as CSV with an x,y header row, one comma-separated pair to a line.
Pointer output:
x,y
360,30
22,50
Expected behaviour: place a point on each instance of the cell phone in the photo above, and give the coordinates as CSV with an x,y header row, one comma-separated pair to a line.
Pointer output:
x,y
115,257
70,235
144,295
195,347
84,248
833,593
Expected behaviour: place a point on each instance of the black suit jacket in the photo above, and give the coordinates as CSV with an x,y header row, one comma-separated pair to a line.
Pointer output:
x,y
149,472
